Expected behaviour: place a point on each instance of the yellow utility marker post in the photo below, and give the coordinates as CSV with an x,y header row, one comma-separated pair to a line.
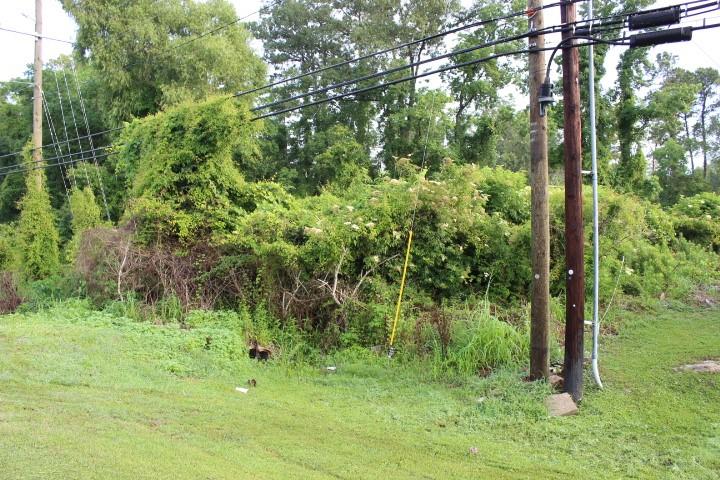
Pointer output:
x,y
398,307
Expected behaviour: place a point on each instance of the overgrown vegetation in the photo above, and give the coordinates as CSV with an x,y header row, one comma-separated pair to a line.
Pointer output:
x,y
294,228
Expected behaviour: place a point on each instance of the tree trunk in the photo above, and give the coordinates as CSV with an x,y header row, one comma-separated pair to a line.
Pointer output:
x,y
704,136
689,143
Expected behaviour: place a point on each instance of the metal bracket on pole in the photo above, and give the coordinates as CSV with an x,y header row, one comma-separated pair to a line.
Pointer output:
x,y
546,97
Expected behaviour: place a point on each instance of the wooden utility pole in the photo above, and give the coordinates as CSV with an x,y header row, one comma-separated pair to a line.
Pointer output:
x,y
539,307
37,91
574,255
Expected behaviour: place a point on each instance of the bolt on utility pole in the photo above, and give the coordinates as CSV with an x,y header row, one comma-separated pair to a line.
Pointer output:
x,y
574,238
539,306
37,90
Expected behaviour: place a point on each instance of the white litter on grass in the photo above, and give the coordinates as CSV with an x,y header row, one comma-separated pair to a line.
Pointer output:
x,y
242,390
331,369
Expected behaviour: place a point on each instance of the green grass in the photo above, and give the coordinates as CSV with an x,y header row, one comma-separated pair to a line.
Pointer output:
x,y
89,395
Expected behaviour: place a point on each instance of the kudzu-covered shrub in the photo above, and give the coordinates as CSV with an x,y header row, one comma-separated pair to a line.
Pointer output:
x,y
37,236
7,252
642,251
333,258
85,215
182,183
697,219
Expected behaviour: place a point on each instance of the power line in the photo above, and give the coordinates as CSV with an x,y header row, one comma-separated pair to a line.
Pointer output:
x,y
385,51
35,35
39,167
549,29
326,100
77,132
594,41
91,135
405,66
601,28
386,84
401,80
87,130
57,157
62,115
52,128
169,48
398,47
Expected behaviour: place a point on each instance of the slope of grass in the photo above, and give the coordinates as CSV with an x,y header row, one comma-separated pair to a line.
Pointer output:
x,y
88,395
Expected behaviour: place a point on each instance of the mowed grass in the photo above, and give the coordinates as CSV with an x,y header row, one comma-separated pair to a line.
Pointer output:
x,y
90,396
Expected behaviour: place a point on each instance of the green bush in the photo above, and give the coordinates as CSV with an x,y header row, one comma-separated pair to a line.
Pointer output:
x,y
37,234
7,250
697,219
85,215
48,291
183,184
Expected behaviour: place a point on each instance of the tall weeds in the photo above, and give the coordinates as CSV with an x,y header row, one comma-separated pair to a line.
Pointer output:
x,y
481,342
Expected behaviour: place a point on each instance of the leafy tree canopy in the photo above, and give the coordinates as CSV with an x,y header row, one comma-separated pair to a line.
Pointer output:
x,y
140,49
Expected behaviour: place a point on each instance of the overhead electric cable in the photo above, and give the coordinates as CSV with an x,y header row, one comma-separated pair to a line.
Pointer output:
x,y
401,80
398,47
91,135
62,115
44,37
705,27
454,53
77,132
601,28
51,128
92,146
614,16
61,156
29,168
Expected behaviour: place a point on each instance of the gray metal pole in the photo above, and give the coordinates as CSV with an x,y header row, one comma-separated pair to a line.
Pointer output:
x,y
596,229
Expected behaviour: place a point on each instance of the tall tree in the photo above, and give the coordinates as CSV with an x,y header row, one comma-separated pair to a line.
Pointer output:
x,y
631,168
477,88
300,36
709,80
150,55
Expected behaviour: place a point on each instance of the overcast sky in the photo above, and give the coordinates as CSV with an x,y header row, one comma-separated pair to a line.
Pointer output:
x,y
17,52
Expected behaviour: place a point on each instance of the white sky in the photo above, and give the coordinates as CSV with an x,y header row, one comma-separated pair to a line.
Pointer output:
x,y
17,53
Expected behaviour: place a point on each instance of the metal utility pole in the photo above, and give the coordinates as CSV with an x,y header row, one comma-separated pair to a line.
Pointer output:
x,y
574,247
539,307
37,91
596,219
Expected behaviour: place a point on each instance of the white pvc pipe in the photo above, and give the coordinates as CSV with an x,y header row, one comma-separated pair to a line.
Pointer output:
x,y
596,228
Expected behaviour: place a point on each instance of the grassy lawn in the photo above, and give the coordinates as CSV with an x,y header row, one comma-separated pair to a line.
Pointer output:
x,y
88,395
